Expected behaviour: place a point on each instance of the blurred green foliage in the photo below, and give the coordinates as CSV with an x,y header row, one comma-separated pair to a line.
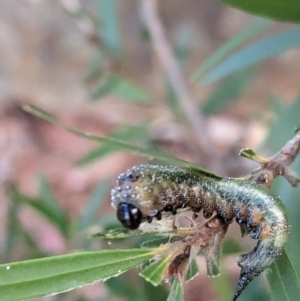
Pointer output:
x,y
288,10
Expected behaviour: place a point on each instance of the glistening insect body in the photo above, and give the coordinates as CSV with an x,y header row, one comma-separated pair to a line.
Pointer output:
x,y
145,191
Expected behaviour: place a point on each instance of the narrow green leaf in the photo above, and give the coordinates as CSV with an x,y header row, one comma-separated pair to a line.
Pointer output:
x,y
50,275
287,10
45,193
193,270
231,246
126,288
176,293
155,272
109,221
252,155
283,280
125,88
154,243
51,211
173,102
50,205
284,273
132,92
227,92
212,264
229,46
88,215
126,134
266,48
110,28
120,233
104,86
94,70
16,236
118,144
222,286
158,293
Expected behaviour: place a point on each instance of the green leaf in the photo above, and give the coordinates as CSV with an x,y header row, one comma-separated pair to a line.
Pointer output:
x,y
176,293
155,272
173,101
266,48
109,221
252,155
46,195
104,86
120,233
193,270
16,237
231,246
126,288
94,70
285,275
126,89
50,275
89,214
157,293
154,243
287,10
51,210
49,204
229,46
228,91
128,134
283,280
256,290
116,143
223,287
110,28
212,264
132,92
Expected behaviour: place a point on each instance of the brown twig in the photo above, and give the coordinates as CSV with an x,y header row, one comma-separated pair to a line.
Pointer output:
x,y
170,67
276,165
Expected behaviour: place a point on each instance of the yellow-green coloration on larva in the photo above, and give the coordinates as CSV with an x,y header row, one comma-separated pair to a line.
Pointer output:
x,y
145,191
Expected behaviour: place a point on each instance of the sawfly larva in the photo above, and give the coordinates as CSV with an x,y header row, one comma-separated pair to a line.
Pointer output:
x,y
145,191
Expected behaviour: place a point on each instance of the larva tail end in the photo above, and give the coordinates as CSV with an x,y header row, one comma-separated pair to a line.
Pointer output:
x,y
246,276
255,262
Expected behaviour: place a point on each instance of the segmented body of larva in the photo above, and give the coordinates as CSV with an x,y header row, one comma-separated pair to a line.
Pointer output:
x,y
145,191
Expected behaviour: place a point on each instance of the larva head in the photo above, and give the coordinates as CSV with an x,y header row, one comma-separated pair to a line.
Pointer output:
x,y
129,215
136,196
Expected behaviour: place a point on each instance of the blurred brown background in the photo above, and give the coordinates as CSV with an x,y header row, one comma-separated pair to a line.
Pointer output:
x,y
44,58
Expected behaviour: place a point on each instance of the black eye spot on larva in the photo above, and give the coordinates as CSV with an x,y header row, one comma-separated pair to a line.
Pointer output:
x,y
129,215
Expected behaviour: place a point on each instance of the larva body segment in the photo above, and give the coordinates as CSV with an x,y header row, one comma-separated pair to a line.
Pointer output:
x,y
143,192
